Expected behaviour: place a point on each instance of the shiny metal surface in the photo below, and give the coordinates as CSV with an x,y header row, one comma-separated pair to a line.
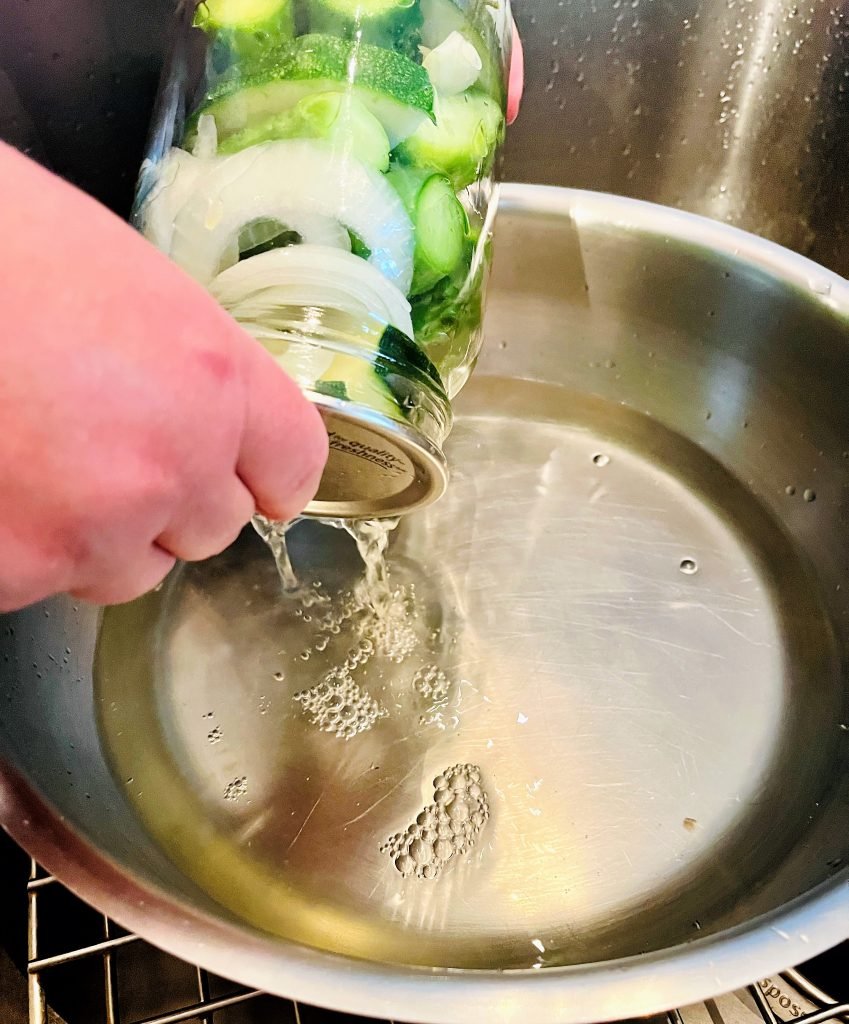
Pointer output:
x,y
658,428
591,674
107,983
734,109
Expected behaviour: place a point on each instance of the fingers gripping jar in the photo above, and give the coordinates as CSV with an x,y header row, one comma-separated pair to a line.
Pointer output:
x,y
325,169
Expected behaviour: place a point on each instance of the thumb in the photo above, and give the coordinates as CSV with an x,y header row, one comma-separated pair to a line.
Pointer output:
x,y
284,441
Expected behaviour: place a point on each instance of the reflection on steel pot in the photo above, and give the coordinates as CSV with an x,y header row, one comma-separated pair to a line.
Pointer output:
x,y
635,591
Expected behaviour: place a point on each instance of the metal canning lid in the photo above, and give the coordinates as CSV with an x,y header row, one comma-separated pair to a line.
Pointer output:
x,y
377,467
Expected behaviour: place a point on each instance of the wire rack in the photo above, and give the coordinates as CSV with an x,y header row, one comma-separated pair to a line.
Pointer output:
x,y
110,976
113,977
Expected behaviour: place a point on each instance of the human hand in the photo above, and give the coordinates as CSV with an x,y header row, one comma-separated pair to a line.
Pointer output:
x,y
138,422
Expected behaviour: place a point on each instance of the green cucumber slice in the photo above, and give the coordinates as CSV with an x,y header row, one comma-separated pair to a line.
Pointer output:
x,y
383,386
244,15
364,10
336,116
397,91
263,235
439,221
447,319
393,24
462,143
355,379
400,351
242,31
332,388
358,246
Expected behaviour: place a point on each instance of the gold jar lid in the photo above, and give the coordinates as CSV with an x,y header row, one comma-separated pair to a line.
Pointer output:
x,y
377,467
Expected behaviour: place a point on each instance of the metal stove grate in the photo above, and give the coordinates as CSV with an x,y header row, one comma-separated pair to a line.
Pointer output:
x,y
190,994
181,993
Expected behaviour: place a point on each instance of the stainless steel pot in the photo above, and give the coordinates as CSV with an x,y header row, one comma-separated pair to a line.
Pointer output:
x,y
660,426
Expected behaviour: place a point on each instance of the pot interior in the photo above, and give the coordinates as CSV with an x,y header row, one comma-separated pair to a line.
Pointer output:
x,y
622,630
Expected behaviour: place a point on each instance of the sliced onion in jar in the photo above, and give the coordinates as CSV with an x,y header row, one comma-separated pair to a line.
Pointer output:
x,y
453,66
310,275
206,141
173,185
312,189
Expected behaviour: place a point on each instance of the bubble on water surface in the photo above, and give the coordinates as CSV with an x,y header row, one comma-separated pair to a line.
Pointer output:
x,y
237,788
338,705
431,683
446,828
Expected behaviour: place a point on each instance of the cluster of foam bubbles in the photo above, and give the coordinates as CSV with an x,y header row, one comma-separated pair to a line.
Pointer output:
x,y
237,788
388,627
447,828
338,705
379,611
374,619
392,625
432,684
331,623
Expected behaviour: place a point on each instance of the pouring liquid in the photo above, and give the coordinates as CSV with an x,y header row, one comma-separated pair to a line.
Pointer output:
x,y
382,622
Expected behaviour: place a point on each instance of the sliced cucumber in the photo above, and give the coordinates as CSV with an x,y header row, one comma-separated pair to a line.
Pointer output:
x,y
242,31
332,388
393,24
338,117
397,91
442,17
245,15
439,221
399,351
263,235
361,11
361,383
358,246
307,187
383,386
447,320
462,143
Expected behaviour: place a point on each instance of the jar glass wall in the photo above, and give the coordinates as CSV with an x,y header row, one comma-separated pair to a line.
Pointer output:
x,y
325,169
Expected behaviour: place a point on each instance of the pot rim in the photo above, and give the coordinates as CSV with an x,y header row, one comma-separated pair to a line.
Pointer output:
x,y
612,990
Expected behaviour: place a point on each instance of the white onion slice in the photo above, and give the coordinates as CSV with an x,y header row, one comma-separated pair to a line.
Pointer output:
x,y
289,180
176,176
310,275
453,66
206,142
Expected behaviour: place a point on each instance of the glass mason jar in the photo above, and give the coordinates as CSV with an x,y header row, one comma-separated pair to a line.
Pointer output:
x,y
325,169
